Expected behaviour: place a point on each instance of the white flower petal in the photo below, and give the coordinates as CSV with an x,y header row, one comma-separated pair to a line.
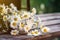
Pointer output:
x,y
15,18
5,18
27,28
45,29
33,11
13,24
34,33
14,32
25,15
21,25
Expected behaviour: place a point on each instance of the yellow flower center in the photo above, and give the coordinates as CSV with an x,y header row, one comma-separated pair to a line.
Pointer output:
x,y
36,23
22,25
15,19
45,30
25,16
27,28
21,17
36,32
14,33
15,13
32,32
4,18
14,24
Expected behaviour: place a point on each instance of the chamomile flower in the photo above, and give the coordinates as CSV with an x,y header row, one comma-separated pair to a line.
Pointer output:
x,y
25,15
21,26
34,33
5,18
35,19
19,12
9,10
3,10
15,18
13,24
13,7
36,24
41,26
33,11
31,33
14,13
29,22
45,29
27,28
14,32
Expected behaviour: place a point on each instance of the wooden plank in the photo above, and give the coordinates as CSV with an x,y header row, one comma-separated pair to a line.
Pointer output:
x,y
50,18
9,37
43,37
54,28
51,22
49,14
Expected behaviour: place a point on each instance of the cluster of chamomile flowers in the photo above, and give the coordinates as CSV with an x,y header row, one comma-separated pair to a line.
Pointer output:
x,y
22,20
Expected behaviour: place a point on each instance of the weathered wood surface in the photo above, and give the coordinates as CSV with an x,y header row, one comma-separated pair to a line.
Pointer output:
x,y
49,20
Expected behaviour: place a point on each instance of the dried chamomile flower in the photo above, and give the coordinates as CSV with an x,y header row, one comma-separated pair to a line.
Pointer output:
x,y
3,10
27,28
45,29
34,33
15,18
13,24
14,13
21,25
41,26
25,15
29,22
13,7
14,32
5,18
33,11
36,24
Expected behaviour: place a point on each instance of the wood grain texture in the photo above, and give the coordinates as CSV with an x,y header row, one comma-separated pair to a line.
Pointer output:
x,y
43,37
49,20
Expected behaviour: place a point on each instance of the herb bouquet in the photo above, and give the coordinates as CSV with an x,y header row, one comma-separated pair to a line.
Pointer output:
x,y
17,22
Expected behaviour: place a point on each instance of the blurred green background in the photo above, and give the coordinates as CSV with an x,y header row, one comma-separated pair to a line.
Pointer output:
x,y
50,6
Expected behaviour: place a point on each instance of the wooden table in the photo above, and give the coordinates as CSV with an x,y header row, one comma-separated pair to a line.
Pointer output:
x,y
49,20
